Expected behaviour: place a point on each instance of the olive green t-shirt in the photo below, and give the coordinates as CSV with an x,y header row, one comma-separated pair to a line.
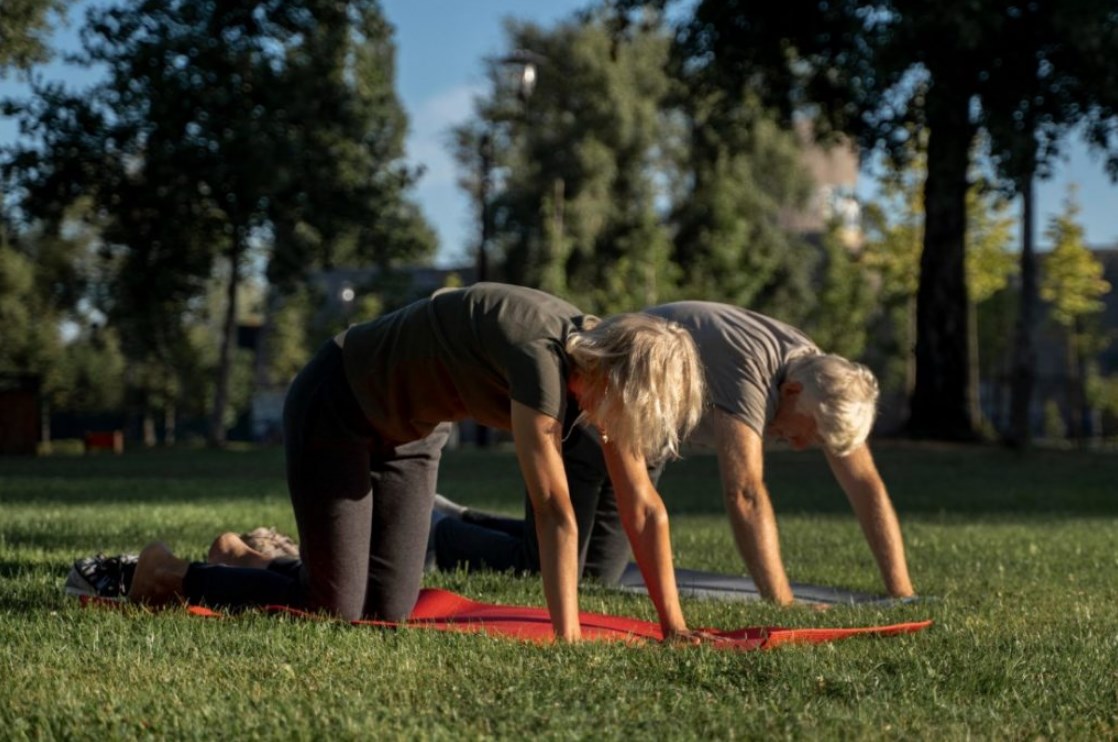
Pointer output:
x,y
745,356
461,353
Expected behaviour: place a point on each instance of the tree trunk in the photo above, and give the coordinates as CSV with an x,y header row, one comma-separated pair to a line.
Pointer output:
x,y
147,427
262,358
217,436
1084,426
974,375
44,426
1004,372
485,188
1024,352
910,347
553,276
1074,398
169,422
940,408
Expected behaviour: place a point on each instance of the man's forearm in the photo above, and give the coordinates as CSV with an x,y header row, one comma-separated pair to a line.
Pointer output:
x,y
857,475
883,533
741,463
754,526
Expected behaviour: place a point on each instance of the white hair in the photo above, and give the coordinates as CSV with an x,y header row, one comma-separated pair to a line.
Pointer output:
x,y
841,395
643,382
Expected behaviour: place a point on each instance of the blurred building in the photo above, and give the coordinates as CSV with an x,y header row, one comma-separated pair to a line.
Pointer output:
x,y
834,170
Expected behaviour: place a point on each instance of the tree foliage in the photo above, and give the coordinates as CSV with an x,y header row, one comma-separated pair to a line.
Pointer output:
x,y
895,228
48,279
1072,283
879,71
990,233
840,320
574,198
740,177
29,340
95,369
25,26
249,131
614,185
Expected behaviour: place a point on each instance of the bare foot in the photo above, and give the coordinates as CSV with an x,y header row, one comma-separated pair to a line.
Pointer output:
x,y
231,550
158,577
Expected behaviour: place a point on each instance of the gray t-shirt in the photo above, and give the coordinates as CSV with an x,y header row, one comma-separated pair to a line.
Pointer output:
x,y
461,353
745,355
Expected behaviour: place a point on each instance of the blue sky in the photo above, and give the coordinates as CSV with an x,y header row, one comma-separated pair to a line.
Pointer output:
x,y
440,48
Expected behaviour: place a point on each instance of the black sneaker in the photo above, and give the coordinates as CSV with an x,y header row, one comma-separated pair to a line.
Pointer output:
x,y
101,576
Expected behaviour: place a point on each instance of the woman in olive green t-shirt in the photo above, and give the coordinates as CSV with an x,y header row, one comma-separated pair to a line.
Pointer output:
x,y
366,419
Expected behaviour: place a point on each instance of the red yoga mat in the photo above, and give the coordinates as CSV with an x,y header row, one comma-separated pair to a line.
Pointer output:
x,y
442,610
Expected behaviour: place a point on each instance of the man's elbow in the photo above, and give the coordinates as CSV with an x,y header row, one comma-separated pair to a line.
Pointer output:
x,y
746,499
552,514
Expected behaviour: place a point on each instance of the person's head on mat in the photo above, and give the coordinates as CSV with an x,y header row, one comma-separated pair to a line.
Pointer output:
x,y
364,426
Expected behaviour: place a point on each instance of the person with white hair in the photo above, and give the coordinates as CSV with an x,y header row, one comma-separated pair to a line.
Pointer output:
x,y
364,426
764,379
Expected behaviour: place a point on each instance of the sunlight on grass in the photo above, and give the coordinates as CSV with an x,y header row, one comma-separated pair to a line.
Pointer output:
x,y
1019,553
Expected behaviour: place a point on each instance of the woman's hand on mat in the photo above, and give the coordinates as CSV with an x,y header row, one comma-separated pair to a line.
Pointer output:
x,y
693,637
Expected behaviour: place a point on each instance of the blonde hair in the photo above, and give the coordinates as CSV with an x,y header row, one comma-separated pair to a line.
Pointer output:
x,y
841,395
642,381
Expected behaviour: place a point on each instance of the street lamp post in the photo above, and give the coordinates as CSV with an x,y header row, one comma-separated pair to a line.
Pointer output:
x,y
485,186
347,295
519,69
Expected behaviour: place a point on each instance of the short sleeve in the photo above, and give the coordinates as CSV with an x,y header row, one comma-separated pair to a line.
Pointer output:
x,y
537,376
739,393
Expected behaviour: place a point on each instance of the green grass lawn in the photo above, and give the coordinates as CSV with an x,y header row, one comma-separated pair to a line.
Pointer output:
x,y
1021,552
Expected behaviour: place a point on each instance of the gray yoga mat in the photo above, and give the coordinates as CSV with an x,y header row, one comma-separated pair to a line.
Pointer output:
x,y
694,583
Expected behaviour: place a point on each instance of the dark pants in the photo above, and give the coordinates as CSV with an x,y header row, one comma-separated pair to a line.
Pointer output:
x,y
362,507
481,541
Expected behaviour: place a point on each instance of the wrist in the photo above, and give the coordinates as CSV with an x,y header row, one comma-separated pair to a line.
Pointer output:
x,y
569,636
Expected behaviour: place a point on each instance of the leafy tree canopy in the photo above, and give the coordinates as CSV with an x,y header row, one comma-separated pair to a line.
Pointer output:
x,y
1072,281
25,26
617,184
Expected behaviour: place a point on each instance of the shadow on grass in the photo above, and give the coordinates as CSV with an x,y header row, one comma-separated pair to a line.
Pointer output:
x,y
10,570
21,588
139,492
145,477
251,463
937,480
922,479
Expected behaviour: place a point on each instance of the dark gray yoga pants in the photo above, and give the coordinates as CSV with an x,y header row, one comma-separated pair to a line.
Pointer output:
x,y
362,507
481,541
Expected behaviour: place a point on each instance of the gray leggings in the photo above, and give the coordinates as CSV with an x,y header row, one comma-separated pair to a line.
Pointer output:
x,y
362,507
